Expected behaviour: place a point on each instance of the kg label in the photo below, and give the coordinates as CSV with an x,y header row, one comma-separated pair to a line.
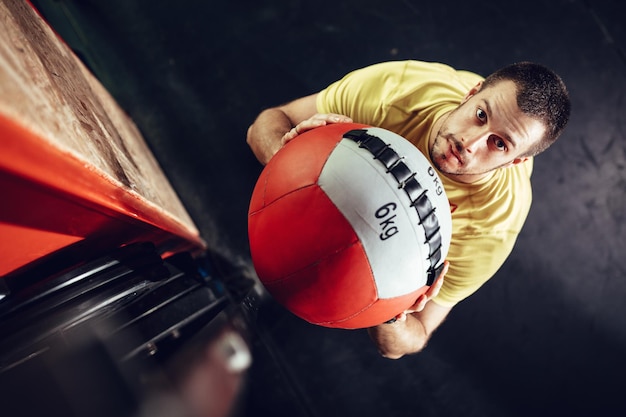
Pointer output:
x,y
438,186
386,214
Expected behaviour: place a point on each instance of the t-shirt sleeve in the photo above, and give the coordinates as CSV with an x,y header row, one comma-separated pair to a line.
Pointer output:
x,y
361,94
392,93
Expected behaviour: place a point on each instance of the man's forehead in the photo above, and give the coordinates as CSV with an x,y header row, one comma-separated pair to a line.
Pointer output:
x,y
506,87
500,100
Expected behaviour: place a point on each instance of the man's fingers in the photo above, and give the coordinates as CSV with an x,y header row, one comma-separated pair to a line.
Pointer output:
x,y
331,118
320,119
434,289
401,317
446,266
309,124
288,136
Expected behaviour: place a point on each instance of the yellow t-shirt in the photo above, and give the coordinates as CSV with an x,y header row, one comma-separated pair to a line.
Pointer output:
x,y
406,97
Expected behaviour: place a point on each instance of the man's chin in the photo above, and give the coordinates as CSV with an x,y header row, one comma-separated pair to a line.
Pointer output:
x,y
442,165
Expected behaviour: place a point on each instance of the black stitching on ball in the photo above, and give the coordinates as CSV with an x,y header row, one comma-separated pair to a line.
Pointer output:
x,y
417,194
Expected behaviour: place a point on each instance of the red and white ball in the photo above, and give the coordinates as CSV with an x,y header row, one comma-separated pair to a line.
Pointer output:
x,y
344,233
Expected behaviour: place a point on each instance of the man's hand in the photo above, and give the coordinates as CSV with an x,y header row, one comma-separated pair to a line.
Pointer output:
x,y
319,119
266,135
431,293
412,329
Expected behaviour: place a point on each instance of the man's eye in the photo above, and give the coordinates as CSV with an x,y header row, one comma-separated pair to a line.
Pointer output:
x,y
499,143
481,115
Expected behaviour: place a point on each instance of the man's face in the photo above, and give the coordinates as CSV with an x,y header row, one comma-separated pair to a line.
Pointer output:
x,y
487,131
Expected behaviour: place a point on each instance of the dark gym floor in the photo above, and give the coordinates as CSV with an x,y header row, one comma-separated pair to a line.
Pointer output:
x,y
545,337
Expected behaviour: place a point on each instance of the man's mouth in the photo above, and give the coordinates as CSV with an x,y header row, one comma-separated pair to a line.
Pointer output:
x,y
455,153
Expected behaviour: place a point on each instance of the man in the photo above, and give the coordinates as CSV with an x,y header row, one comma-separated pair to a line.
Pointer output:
x,y
480,134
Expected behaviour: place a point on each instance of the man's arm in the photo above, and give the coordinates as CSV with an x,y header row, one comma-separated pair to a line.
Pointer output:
x,y
408,336
412,329
276,126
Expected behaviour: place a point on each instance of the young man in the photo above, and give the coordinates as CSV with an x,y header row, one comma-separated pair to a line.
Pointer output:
x,y
480,134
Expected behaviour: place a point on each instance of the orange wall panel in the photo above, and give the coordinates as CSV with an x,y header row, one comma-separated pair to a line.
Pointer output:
x,y
73,166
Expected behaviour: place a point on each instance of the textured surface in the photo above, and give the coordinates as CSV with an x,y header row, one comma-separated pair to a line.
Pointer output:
x,y
74,168
48,90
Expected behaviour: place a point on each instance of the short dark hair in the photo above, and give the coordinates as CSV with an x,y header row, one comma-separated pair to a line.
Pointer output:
x,y
541,94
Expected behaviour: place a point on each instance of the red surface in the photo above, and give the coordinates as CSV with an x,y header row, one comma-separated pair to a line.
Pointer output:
x,y
51,200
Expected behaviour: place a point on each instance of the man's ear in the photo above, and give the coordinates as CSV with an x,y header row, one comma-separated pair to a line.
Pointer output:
x,y
473,91
519,160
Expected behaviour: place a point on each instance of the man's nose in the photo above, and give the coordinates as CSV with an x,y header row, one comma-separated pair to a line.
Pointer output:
x,y
472,141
